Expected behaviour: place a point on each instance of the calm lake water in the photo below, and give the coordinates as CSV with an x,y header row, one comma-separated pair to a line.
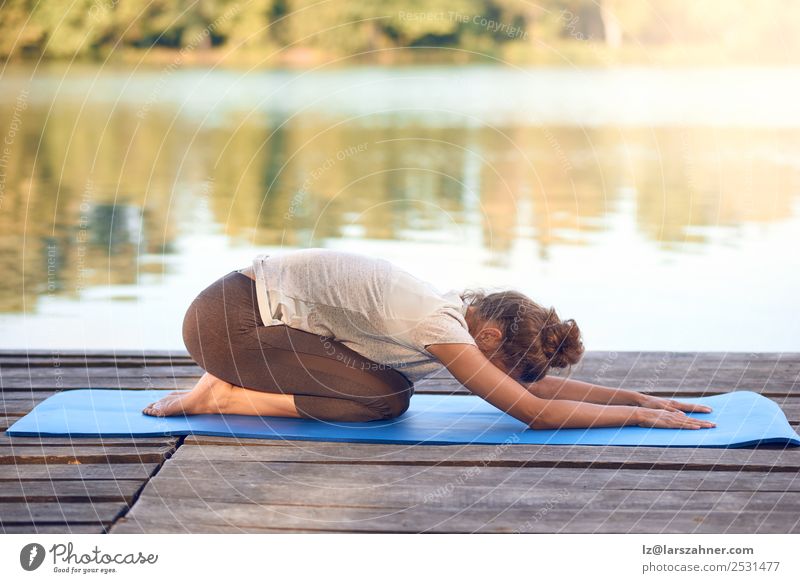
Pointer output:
x,y
659,208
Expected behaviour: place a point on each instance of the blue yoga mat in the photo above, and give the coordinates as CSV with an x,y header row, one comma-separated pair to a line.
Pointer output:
x,y
743,418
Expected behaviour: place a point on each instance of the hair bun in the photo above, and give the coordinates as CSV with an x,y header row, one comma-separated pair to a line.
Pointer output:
x,y
561,343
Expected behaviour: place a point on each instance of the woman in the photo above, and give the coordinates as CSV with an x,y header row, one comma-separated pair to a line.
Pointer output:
x,y
339,336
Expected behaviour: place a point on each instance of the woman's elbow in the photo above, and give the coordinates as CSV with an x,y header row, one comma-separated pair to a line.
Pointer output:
x,y
541,424
543,419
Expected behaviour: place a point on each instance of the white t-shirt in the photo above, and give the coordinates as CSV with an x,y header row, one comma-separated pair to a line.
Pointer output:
x,y
375,308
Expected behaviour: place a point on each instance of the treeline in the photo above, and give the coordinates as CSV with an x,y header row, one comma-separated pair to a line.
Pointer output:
x,y
272,30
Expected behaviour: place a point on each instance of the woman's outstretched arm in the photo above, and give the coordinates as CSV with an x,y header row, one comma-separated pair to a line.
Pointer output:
x,y
469,366
553,387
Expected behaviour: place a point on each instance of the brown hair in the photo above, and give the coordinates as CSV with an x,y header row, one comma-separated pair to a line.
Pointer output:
x,y
534,338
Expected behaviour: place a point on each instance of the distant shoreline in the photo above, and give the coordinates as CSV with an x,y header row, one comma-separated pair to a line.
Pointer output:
x,y
566,54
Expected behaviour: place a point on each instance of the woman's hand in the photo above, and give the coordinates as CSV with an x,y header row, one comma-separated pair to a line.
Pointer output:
x,y
651,402
666,419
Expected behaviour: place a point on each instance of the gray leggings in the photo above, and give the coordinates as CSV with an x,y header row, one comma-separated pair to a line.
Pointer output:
x,y
225,335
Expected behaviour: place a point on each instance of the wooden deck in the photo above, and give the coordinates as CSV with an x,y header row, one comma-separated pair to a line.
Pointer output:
x,y
208,484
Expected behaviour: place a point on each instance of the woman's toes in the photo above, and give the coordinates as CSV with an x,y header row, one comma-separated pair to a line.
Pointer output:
x,y
155,409
171,405
209,398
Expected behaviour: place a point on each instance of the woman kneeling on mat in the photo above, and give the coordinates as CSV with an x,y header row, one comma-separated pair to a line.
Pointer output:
x,y
339,336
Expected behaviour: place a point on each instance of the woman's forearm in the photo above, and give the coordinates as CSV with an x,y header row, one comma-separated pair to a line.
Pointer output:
x,y
559,413
552,387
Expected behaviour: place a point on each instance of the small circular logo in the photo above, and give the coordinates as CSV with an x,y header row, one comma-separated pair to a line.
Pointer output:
x,y
31,556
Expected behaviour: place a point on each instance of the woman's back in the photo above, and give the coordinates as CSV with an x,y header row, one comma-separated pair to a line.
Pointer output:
x,y
372,306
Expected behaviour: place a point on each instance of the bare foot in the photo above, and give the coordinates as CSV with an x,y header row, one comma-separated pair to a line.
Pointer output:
x,y
210,395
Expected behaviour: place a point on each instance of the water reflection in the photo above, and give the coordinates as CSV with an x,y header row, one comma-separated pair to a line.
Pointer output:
x,y
95,194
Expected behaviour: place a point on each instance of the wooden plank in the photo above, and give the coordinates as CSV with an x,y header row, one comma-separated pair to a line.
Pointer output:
x,y
152,512
6,440
84,373
475,522
137,383
21,402
82,528
23,394
359,477
398,497
542,456
128,526
462,490
7,421
70,491
12,513
18,407
135,378
82,454
129,471
56,361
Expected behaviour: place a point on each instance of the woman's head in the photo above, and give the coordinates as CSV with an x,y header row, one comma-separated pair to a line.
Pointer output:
x,y
521,336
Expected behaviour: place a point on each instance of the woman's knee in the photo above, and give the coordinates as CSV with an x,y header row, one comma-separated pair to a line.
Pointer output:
x,y
206,339
389,406
191,330
224,313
